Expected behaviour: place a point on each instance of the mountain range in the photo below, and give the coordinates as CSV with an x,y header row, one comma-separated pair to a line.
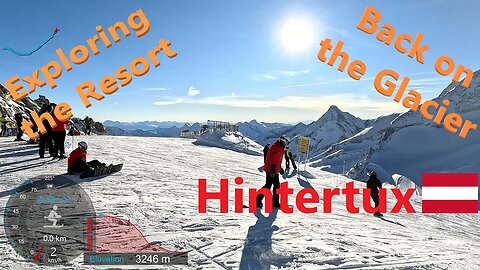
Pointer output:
x,y
144,125
405,144
169,129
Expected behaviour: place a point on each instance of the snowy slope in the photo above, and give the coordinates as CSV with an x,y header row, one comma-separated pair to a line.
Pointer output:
x,y
9,107
412,145
333,126
157,191
343,155
234,141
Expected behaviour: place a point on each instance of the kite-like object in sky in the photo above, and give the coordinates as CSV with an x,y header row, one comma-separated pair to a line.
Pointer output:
x,y
36,49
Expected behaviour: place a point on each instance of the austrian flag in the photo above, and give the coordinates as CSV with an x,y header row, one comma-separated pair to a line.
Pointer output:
x,y
450,193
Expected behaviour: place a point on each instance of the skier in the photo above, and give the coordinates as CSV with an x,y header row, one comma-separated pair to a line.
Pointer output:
x,y
289,158
272,167
77,161
46,139
18,119
374,184
3,123
71,128
88,125
59,134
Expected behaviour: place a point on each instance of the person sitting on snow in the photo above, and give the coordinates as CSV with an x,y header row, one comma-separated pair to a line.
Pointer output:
x,y
77,161
374,185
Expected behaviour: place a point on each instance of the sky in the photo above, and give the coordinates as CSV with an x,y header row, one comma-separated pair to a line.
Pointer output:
x,y
236,60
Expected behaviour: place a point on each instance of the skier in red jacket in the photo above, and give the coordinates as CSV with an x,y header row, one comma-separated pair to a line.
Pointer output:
x,y
272,167
77,161
59,134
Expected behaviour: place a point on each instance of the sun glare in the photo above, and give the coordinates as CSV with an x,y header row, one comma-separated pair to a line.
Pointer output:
x,y
296,35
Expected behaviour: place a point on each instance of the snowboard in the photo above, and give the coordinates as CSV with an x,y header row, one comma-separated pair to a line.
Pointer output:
x,y
101,171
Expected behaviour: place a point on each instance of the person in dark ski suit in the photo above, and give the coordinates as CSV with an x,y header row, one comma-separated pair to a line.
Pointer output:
x,y
34,129
289,158
374,185
272,168
77,161
88,125
18,119
46,139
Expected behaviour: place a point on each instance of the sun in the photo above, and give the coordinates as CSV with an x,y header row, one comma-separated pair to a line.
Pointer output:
x,y
296,35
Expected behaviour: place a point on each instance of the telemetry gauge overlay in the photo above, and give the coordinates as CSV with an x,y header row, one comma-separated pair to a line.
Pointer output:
x,y
45,220
50,220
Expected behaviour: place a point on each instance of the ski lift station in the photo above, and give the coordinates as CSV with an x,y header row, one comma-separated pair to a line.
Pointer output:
x,y
211,127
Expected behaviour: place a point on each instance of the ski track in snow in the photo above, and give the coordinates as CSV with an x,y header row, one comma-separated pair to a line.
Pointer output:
x,y
157,191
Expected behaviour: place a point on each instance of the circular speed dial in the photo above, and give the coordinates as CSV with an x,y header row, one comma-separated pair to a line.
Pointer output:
x,y
45,219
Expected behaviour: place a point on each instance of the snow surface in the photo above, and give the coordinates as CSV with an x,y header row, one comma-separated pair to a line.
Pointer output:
x,y
157,191
234,141
343,155
413,145
332,127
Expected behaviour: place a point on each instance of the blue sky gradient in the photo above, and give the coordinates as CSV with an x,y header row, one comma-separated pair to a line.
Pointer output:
x,y
231,64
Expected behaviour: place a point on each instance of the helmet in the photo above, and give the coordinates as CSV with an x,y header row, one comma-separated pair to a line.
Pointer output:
x,y
83,145
285,140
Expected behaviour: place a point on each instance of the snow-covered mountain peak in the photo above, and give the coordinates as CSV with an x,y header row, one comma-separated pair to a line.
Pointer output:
x,y
333,113
334,110
255,124
457,86
462,99
335,116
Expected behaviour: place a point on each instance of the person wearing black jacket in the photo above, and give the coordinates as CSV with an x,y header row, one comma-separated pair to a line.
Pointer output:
x,y
34,129
88,125
374,185
19,118
289,158
46,139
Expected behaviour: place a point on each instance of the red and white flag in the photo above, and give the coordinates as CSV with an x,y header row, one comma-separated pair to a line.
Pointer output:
x,y
450,193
